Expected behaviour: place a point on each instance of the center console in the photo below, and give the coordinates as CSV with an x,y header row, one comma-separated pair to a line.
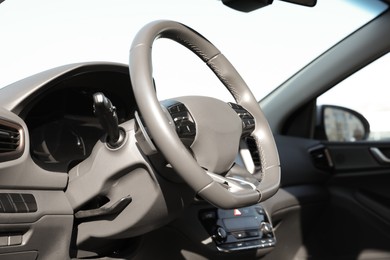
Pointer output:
x,y
239,229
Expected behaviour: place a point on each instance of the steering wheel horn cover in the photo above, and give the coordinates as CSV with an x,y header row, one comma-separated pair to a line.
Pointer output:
x,y
166,138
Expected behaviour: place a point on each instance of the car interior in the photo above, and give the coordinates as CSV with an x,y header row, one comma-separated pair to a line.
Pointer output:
x,y
94,166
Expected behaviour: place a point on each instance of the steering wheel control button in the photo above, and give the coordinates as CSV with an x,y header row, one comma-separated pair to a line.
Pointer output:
x,y
248,121
183,120
185,130
177,108
251,229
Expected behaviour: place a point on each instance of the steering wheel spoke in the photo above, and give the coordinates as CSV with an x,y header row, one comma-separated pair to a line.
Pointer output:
x,y
232,183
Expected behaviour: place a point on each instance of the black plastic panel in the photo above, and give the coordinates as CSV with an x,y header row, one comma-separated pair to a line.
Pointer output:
x,y
184,123
296,162
17,203
356,157
239,229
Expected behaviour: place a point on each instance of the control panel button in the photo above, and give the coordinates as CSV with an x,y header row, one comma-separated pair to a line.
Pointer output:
x,y
266,228
239,229
220,234
239,234
253,233
15,240
209,215
3,240
11,240
260,210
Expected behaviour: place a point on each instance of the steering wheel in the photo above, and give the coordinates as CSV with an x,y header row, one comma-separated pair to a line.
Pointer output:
x,y
216,128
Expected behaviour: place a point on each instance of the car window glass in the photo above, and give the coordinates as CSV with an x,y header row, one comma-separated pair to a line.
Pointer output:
x,y
266,46
366,92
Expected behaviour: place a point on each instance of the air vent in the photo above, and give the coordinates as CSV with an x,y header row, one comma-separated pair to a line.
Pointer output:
x,y
252,147
11,141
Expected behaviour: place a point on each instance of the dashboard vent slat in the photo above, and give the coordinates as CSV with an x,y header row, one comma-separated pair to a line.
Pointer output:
x,y
251,143
11,140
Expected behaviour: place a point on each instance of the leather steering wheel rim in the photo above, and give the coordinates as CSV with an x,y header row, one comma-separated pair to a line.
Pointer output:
x,y
166,139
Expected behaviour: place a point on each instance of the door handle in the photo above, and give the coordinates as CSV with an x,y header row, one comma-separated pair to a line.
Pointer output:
x,y
115,208
379,155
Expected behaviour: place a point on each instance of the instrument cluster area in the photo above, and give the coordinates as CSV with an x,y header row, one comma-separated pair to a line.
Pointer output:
x,y
62,125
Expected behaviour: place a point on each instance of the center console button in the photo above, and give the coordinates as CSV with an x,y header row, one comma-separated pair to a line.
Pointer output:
x,y
253,233
239,234
266,228
220,234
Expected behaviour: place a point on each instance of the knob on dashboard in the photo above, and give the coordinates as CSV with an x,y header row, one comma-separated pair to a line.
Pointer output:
x,y
265,228
220,234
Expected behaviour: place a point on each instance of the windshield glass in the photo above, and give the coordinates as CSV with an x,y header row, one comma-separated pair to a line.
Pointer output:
x,y
266,46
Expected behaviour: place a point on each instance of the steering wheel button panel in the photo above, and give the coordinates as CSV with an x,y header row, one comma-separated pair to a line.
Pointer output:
x,y
177,108
183,120
248,121
186,130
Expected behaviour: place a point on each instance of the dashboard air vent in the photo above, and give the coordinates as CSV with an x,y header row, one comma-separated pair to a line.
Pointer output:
x,y
11,140
252,147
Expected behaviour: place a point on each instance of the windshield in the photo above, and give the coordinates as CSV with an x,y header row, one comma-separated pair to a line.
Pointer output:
x,y
266,46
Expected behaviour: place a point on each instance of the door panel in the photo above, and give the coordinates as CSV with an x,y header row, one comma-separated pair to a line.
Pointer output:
x,y
348,230
334,202
356,225
359,157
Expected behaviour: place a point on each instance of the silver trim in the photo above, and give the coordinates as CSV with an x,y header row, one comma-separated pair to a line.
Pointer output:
x,y
260,246
379,155
231,183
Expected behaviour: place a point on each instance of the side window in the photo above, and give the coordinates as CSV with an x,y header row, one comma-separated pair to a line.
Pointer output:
x,y
361,99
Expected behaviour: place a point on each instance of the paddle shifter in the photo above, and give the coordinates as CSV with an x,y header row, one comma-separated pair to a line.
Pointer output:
x,y
106,113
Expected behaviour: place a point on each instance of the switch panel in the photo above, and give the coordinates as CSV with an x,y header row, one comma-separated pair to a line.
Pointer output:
x,y
239,229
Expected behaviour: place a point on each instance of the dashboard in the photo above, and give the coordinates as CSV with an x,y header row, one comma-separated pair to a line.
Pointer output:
x,y
62,125
79,184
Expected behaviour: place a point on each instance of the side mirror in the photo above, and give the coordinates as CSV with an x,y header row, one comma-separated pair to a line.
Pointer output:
x,y
340,124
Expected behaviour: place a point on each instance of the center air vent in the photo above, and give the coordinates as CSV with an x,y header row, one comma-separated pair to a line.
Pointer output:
x,y
11,141
250,155
252,146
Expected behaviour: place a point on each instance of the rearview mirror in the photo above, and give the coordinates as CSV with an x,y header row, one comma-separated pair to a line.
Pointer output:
x,y
251,5
341,124
309,3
